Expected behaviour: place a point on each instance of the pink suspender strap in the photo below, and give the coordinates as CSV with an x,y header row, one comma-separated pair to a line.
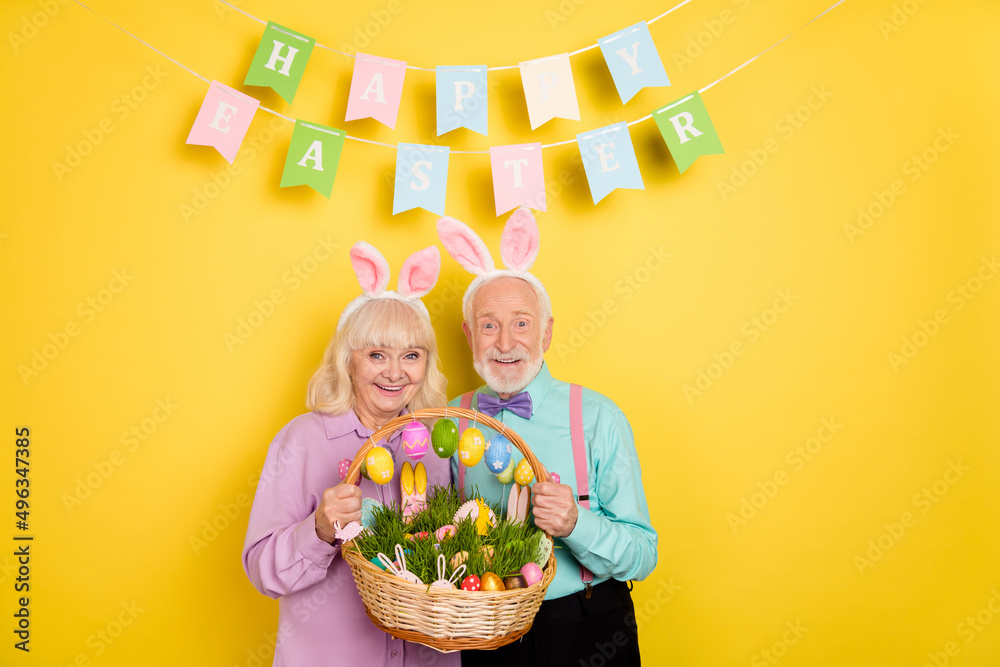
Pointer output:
x,y
463,424
579,460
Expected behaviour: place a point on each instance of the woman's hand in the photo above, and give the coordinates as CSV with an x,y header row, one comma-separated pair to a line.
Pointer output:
x,y
342,504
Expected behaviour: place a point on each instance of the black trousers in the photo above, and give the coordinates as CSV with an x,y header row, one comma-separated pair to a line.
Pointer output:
x,y
573,631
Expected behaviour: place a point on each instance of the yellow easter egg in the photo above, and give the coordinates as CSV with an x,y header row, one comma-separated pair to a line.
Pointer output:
x,y
523,474
471,447
491,582
380,464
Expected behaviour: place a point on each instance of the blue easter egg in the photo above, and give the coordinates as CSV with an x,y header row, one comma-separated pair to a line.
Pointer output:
x,y
497,455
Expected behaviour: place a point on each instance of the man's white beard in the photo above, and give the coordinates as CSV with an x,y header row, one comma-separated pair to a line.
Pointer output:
x,y
505,384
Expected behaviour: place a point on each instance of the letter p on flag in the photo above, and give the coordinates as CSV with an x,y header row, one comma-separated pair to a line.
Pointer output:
x,y
223,120
313,156
280,60
688,130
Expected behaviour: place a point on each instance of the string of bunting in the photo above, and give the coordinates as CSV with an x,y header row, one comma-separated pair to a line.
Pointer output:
x,y
461,94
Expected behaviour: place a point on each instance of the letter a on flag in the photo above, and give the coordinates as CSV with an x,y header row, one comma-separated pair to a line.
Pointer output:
x,y
688,130
223,120
376,88
549,89
609,160
312,157
421,178
633,60
518,179
280,60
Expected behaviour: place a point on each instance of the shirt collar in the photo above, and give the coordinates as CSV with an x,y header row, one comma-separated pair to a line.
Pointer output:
x,y
340,425
537,388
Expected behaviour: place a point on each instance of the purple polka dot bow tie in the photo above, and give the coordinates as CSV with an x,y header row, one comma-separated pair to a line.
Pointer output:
x,y
519,404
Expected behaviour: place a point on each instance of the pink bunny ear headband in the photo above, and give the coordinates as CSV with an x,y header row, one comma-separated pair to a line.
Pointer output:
x,y
518,250
418,276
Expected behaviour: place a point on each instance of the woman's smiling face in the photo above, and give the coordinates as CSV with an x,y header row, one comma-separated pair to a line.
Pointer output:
x,y
385,380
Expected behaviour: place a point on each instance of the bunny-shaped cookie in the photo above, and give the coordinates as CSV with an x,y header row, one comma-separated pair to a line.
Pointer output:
x,y
401,570
442,568
518,503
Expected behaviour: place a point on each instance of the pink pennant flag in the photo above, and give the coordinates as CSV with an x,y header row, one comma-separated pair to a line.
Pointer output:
x,y
518,179
223,120
376,88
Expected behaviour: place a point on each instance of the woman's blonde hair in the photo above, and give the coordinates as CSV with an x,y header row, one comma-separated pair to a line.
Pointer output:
x,y
377,323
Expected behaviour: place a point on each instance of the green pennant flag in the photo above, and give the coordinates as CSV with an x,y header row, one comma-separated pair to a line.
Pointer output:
x,y
312,157
688,130
280,60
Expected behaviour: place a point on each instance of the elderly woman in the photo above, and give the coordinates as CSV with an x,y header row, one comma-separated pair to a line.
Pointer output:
x,y
381,362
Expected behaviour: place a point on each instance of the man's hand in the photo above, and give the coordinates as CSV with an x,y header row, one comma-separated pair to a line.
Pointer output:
x,y
554,508
342,504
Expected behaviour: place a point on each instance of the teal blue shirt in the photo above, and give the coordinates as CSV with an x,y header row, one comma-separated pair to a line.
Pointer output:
x,y
614,539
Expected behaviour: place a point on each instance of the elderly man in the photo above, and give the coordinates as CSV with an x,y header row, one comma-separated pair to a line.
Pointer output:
x,y
597,514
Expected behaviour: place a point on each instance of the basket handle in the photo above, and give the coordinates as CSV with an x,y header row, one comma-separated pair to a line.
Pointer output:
x,y
390,427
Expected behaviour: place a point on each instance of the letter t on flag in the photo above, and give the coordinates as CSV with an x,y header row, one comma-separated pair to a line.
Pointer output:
x,y
518,179
223,120
312,157
688,130
376,88
280,60
633,60
421,178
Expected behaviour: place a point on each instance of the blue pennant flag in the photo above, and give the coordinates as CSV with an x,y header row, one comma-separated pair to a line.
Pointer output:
x,y
609,160
461,98
633,60
421,178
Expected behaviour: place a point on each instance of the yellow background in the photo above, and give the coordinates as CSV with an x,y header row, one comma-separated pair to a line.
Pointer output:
x,y
722,592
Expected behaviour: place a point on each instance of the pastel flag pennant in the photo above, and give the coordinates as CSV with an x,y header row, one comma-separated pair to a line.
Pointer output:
x,y
461,98
518,179
280,60
421,178
223,120
376,88
633,60
549,89
313,156
688,130
609,160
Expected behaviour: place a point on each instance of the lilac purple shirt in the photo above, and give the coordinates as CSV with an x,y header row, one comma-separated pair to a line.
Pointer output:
x,y
322,620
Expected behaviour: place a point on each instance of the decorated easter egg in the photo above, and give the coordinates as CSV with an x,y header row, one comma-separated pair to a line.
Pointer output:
x,y
368,507
343,467
514,581
444,532
471,447
554,478
487,552
544,551
458,559
491,582
416,440
507,476
523,474
470,583
364,470
444,438
532,573
379,464
497,455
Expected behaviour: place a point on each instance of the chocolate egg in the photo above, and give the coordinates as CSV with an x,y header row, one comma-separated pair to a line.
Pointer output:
x,y
444,438
491,582
497,455
514,581
523,474
379,464
532,573
471,447
416,440
507,476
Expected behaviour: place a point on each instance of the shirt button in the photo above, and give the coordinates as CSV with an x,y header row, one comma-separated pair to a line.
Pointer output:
x,y
395,654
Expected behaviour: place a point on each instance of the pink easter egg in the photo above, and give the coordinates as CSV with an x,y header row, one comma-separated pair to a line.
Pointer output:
x,y
555,479
343,468
416,440
445,531
532,573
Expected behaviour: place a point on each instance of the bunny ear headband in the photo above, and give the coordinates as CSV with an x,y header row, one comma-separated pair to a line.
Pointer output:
x,y
518,250
418,276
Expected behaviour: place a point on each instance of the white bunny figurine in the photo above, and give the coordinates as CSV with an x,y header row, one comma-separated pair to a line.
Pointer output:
x,y
400,571
451,582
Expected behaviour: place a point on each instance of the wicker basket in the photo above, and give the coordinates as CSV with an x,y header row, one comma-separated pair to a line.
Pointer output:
x,y
445,619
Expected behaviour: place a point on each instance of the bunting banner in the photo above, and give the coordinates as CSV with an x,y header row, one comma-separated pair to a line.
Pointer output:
x,y
518,179
421,178
223,120
688,130
313,156
633,60
280,60
549,89
461,98
376,88
609,160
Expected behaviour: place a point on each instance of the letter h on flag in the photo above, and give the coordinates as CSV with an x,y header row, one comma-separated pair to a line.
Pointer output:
x,y
609,160
421,178
633,60
223,120
280,60
688,130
